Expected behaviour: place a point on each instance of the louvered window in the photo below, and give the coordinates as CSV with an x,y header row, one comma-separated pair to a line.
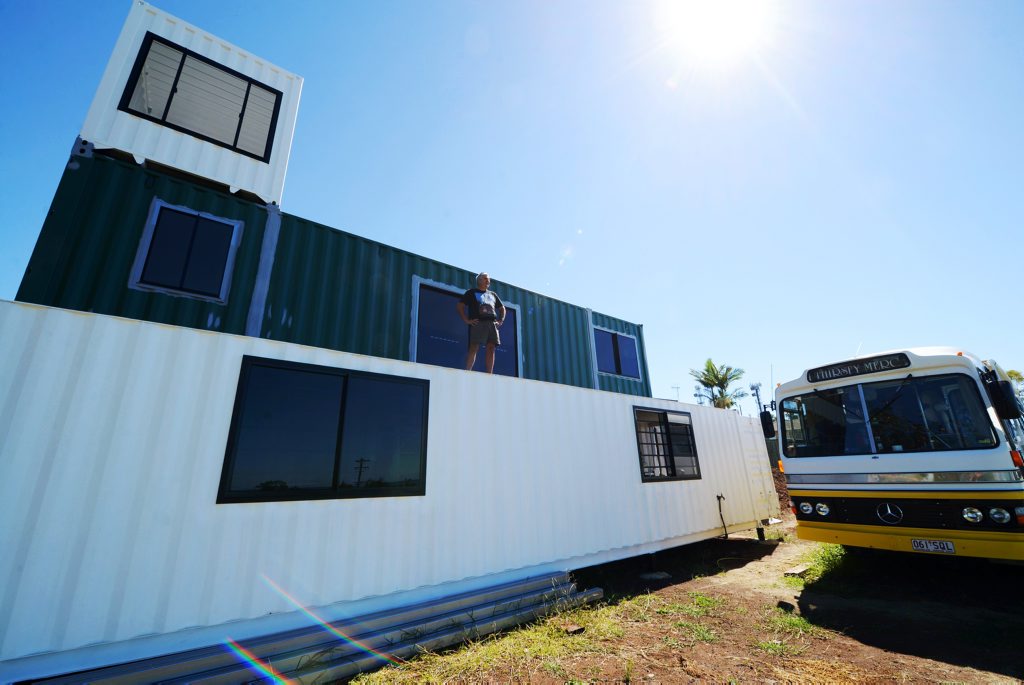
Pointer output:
x,y
189,93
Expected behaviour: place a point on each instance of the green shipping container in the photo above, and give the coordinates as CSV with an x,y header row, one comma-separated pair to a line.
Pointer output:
x,y
109,242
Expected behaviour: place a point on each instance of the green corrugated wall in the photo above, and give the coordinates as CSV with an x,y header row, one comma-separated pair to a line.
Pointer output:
x,y
84,255
327,288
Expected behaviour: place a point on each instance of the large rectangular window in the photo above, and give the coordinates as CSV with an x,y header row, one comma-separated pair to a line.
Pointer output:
x,y
301,432
185,252
616,353
182,90
442,338
666,445
913,414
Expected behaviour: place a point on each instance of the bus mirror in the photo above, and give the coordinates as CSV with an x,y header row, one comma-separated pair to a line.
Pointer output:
x,y
767,424
1004,401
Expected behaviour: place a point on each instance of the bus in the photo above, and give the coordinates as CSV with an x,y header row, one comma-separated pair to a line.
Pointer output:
x,y
915,450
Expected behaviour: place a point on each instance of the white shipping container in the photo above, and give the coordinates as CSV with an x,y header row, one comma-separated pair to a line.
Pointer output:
x,y
107,126
112,441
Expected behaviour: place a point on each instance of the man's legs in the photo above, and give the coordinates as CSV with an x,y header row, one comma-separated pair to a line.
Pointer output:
x,y
471,356
489,358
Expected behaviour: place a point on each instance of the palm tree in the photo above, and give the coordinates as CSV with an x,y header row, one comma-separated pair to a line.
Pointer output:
x,y
716,381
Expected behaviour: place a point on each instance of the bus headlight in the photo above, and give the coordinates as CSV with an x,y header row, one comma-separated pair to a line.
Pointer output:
x,y
806,508
973,515
822,509
999,515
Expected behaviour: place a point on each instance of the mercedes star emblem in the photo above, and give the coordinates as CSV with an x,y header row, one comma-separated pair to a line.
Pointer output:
x,y
889,513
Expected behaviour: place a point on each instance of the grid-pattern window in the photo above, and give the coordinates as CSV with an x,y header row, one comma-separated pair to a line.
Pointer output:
x,y
616,353
303,432
185,252
666,445
187,92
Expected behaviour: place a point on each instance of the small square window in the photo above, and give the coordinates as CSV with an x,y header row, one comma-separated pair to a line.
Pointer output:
x,y
616,353
666,445
185,252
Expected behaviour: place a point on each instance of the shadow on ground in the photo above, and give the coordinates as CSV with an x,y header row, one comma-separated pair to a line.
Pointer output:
x,y
965,612
629,577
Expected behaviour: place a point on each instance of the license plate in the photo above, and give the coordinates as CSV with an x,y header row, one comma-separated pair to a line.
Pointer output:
x,y
943,546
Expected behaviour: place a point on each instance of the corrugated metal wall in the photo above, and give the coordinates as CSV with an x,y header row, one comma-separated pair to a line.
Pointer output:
x,y
87,245
107,127
112,440
327,288
337,290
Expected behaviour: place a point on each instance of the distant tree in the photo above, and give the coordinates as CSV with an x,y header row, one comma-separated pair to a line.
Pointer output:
x,y
1018,379
715,382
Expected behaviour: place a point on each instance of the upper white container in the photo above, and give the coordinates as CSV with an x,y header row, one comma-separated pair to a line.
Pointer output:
x,y
179,96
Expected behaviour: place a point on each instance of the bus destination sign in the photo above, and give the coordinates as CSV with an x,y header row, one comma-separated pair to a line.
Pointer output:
x,y
858,367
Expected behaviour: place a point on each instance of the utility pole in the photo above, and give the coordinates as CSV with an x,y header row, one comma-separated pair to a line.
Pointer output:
x,y
360,467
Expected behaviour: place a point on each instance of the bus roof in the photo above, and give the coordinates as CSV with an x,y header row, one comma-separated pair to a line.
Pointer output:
x,y
881,365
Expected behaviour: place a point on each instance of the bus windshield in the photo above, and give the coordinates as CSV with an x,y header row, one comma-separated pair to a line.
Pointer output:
x,y
913,414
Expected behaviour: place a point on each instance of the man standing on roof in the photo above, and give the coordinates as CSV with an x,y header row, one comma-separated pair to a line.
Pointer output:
x,y
484,313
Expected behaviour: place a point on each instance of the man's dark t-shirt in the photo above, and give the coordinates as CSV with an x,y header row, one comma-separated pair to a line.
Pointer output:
x,y
482,304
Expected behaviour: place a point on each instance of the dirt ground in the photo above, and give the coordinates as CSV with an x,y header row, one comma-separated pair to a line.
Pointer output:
x,y
876,617
725,611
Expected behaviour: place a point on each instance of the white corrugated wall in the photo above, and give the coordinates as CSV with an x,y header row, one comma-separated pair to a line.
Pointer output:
x,y
107,127
112,438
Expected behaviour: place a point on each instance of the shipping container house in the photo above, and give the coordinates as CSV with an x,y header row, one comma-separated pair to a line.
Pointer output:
x,y
232,438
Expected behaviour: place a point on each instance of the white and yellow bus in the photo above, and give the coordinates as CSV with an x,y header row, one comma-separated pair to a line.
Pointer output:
x,y
914,451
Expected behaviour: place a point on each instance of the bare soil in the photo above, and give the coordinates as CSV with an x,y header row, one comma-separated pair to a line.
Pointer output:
x,y
876,617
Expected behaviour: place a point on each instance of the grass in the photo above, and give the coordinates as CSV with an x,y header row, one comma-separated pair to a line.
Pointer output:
x,y
697,631
781,621
518,652
778,648
825,559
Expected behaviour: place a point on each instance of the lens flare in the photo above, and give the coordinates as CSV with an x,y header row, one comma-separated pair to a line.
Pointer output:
x,y
331,629
253,662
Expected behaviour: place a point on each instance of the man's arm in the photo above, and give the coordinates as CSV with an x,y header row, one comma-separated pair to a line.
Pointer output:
x,y
461,308
499,310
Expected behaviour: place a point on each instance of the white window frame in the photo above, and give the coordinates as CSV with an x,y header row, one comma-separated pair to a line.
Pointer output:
x,y
593,349
145,242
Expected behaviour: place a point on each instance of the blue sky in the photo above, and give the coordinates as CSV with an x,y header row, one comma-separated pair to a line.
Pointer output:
x,y
851,183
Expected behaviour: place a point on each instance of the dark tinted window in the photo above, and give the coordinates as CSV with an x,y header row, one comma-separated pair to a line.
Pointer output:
x,y
188,253
287,431
309,432
629,363
666,445
604,343
616,354
383,441
442,338
187,92
913,414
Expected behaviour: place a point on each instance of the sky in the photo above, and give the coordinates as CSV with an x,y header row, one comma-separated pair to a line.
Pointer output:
x,y
788,185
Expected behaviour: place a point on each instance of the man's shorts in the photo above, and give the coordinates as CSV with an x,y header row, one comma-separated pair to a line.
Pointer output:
x,y
484,333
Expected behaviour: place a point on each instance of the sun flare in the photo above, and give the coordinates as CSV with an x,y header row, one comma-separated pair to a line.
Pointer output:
x,y
716,32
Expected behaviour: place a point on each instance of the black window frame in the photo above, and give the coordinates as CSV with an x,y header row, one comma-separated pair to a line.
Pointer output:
x,y
133,78
670,461
617,354
135,280
226,496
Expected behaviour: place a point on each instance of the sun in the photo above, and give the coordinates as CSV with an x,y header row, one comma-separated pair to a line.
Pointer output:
x,y
717,33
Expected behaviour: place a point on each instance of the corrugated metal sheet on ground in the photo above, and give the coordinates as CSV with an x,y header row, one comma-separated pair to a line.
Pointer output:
x,y
107,127
112,440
